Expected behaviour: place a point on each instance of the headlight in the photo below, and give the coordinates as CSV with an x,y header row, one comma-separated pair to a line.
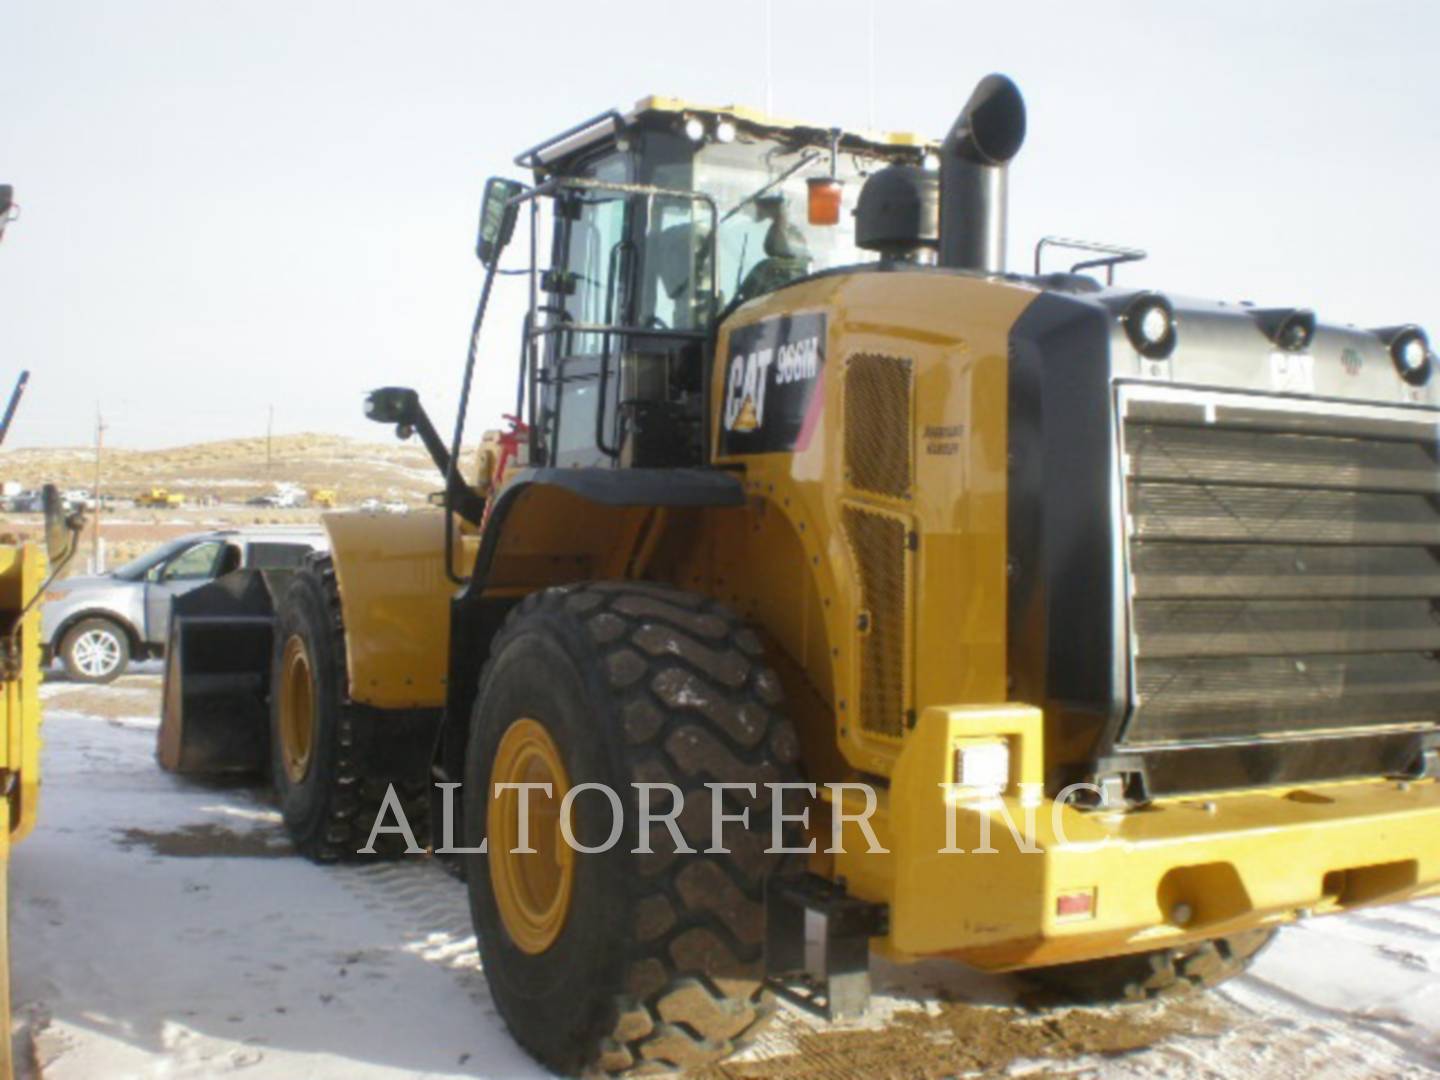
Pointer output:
x,y
1150,326
725,131
694,129
982,768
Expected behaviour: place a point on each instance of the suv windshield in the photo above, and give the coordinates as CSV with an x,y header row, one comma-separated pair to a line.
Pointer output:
x,y
138,568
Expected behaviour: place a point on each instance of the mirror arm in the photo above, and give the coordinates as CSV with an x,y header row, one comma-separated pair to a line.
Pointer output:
x,y
458,495
451,473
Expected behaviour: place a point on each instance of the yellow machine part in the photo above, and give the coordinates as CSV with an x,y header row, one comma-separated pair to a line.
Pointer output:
x,y
22,571
959,882
903,542
395,601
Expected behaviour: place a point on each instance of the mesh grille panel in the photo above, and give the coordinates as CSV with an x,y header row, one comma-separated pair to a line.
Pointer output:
x,y
878,435
1283,573
878,544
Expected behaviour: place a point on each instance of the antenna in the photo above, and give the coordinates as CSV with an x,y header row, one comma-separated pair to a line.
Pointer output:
x,y
870,79
769,57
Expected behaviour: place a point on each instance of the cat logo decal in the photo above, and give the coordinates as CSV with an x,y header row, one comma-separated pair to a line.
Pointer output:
x,y
770,401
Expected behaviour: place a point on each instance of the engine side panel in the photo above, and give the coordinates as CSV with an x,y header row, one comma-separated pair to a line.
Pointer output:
x,y
890,476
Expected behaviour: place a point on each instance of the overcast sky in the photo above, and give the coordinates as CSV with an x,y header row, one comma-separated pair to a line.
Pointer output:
x,y
229,206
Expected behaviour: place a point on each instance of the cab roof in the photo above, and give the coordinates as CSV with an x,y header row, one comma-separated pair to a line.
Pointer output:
x,y
607,124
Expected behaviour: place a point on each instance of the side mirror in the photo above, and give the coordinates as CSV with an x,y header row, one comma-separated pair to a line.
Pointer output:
x,y
392,405
497,218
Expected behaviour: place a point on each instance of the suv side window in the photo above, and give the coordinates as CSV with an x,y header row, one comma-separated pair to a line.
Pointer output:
x,y
195,563
272,556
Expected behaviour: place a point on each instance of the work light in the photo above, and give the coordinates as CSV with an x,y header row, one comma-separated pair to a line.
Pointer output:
x,y
1412,356
1150,325
1410,350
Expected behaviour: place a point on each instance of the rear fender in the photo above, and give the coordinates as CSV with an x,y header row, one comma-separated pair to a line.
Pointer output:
x,y
550,527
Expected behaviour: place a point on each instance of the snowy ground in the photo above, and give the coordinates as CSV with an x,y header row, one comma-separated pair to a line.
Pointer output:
x,y
161,928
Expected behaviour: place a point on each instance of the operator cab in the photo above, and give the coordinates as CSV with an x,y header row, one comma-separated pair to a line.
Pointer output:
x,y
664,220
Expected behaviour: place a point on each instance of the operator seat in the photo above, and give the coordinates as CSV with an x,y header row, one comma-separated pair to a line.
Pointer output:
x,y
787,259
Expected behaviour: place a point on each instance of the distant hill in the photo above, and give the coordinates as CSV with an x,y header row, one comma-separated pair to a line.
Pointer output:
x,y
234,470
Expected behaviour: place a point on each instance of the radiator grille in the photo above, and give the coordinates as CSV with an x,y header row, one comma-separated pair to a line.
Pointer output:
x,y
877,542
1283,571
878,435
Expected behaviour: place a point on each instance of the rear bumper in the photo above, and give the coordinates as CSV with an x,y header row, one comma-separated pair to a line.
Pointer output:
x,y
1182,870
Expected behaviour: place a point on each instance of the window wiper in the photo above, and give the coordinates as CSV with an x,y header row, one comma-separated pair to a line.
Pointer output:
x,y
807,159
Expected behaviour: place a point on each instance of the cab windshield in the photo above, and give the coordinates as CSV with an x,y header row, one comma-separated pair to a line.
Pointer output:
x,y
760,191
760,194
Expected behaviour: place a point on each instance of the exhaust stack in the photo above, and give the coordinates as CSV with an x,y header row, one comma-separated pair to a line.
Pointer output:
x,y
988,133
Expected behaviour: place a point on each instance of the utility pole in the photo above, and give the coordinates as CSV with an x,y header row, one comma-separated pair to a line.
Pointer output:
x,y
95,492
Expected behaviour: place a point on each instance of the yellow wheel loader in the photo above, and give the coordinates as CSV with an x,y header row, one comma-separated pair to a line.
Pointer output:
x,y
26,570
838,589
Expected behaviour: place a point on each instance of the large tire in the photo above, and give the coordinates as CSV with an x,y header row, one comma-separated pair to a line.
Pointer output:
x,y
95,650
1159,973
328,806
658,961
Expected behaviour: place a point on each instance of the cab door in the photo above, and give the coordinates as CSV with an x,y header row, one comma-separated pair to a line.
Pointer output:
x,y
595,256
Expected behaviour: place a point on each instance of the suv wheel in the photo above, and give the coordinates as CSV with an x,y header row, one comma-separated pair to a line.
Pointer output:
x,y
95,651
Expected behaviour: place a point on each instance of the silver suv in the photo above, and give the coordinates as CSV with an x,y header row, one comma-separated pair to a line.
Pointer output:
x,y
96,625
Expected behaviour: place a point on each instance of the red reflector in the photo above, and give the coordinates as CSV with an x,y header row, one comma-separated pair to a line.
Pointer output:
x,y
1075,903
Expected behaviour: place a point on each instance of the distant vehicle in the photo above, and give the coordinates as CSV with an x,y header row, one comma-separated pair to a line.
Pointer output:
x,y
79,499
373,505
395,506
96,625
325,498
159,497
285,496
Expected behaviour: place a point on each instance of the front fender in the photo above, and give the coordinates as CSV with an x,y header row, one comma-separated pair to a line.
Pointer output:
x,y
395,604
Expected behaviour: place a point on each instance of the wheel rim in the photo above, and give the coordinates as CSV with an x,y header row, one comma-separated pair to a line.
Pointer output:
x,y
297,709
532,889
96,653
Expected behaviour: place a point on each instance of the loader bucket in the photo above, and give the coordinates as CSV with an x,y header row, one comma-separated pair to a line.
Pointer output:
x,y
215,716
